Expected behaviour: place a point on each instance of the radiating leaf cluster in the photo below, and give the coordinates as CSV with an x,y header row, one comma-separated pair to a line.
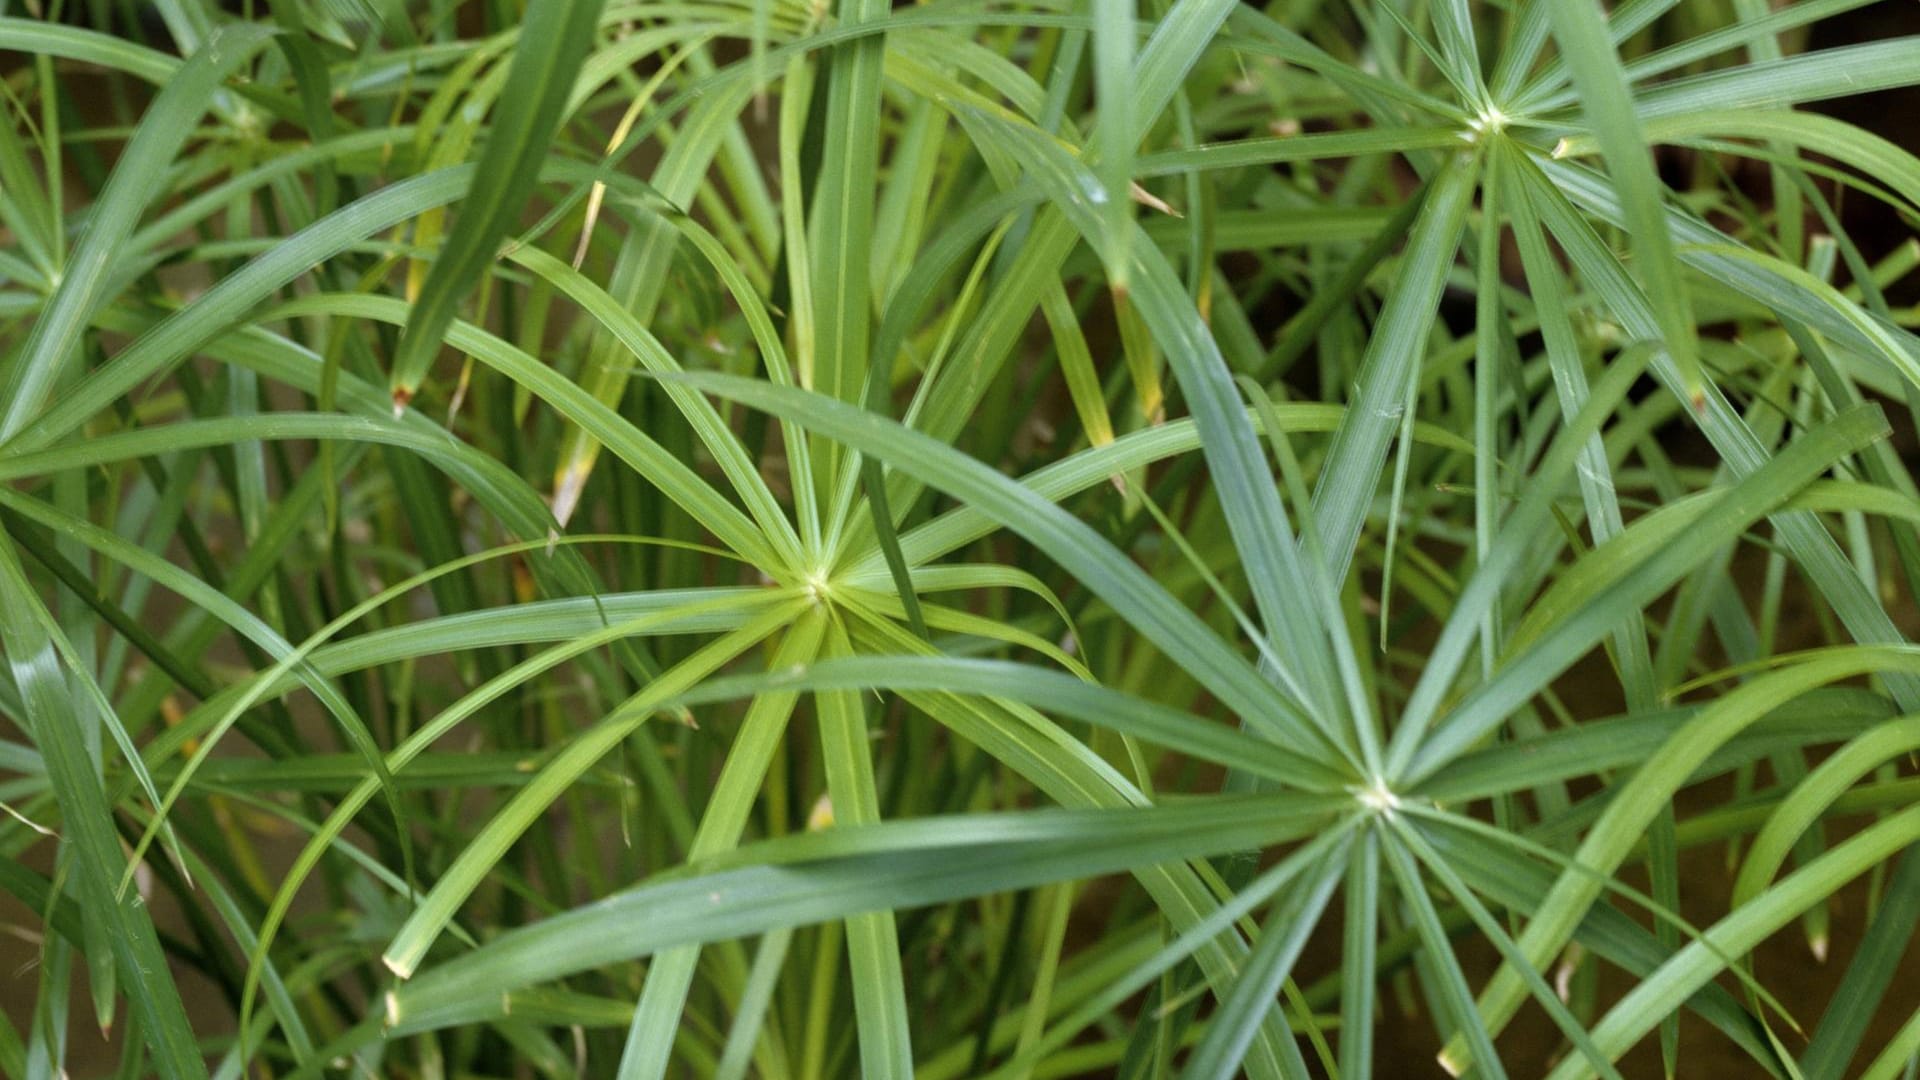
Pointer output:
x,y
737,538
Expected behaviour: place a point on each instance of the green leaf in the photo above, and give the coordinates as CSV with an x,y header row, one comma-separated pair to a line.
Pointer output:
x,y
53,345
1608,106
1094,560
553,41
1395,350
1741,931
87,819
873,940
832,874
489,843
1639,799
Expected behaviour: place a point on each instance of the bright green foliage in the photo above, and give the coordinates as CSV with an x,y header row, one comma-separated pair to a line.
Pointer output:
x,y
695,538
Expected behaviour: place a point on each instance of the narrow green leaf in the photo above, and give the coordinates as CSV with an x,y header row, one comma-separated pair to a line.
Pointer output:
x,y
873,941
554,39
1104,569
831,874
53,345
87,819
1609,109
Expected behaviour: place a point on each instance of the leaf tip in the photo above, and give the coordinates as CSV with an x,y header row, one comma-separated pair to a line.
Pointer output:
x,y
821,817
402,968
567,488
1151,201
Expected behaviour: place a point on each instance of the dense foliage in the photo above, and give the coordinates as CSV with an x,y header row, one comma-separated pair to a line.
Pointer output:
x,y
746,537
